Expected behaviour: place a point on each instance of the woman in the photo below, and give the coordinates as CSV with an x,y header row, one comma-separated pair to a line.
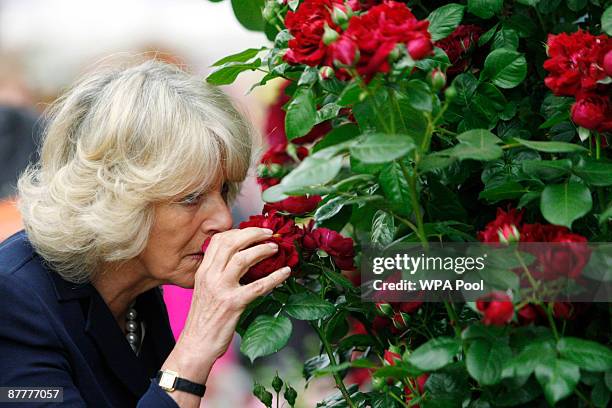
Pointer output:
x,y
138,167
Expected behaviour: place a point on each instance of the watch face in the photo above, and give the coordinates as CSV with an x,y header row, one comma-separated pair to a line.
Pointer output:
x,y
167,380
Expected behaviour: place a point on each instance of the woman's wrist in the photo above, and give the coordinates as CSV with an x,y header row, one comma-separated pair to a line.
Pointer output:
x,y
189,361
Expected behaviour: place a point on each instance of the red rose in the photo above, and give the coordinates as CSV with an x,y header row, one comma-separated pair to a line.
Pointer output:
x,y
575,62
267,182
294,205
459,47
566,258
527,315
419,384
307,26
275,123
285,235
333,243
503,219
496,307
607,65
278,154
593,112
376,33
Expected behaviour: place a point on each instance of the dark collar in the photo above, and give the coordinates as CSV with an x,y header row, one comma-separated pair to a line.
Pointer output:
x,y
104,331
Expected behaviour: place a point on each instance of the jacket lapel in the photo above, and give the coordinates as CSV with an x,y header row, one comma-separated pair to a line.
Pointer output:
x,y
108,337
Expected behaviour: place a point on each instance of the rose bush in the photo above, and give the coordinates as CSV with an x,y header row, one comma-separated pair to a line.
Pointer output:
x,y
411,121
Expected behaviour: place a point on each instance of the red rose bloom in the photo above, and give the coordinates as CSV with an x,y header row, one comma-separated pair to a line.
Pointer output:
x,y
575,62
565,259
294,205
278,154
333,243
285,235
307,26
503,219
376,33
496,307
459,47
593,112
527,315
267,182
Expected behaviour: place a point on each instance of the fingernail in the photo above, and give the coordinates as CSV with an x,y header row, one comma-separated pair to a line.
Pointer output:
x,y
286,269
273,245
268,231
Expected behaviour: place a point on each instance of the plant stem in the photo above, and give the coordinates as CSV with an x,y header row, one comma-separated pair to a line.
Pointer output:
x,y
597,145
398,399
452,313
332,361
415,203
551,321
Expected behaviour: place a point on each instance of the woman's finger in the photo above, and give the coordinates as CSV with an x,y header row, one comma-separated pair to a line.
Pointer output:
x,y
240,263
264,285
225,244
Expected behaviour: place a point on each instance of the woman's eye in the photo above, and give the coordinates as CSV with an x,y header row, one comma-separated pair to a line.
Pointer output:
x,y
191,199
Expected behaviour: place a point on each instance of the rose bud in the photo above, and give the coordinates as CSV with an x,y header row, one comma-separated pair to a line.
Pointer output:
x,y
340,18
496,307
420,48
384,309
450,93
438,79
508,234
400,320
329,35
527,315
590,112
326,73
607,64
344,52
391,356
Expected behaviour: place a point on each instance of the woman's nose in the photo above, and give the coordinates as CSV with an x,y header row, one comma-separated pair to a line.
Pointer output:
x,y
220,215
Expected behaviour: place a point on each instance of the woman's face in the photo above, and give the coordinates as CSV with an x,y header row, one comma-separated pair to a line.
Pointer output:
x,y
173,252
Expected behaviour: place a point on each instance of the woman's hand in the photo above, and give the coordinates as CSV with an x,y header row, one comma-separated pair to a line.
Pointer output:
x,y
219,299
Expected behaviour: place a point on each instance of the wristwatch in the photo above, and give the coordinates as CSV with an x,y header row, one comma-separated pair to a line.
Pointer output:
x,y
170,381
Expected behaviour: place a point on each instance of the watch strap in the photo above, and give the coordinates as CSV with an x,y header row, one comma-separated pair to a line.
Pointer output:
x,y
183,384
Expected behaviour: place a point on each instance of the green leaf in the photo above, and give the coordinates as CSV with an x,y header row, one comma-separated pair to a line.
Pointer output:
x,y
311,171
242,56
547,169
485,8
447,388
350,94
606,215
594,172
466,85
576,5
485,360
551,147
330,208
308,306
606,21
383,228
395,187
506,38
266,335
249,13
562,204
526,361
558,378
486,37
505,68
418,95
444,20
337,135
382,148
506,191
338,279
587,354
476,144
435,354
228,73
301,114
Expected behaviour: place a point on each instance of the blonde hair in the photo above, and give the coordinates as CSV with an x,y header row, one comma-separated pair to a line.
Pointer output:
x,y
119,141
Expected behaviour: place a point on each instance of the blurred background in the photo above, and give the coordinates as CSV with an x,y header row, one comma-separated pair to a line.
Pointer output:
x,y
46,44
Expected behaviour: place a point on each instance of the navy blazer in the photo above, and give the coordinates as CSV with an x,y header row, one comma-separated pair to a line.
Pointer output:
x,y
57,334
